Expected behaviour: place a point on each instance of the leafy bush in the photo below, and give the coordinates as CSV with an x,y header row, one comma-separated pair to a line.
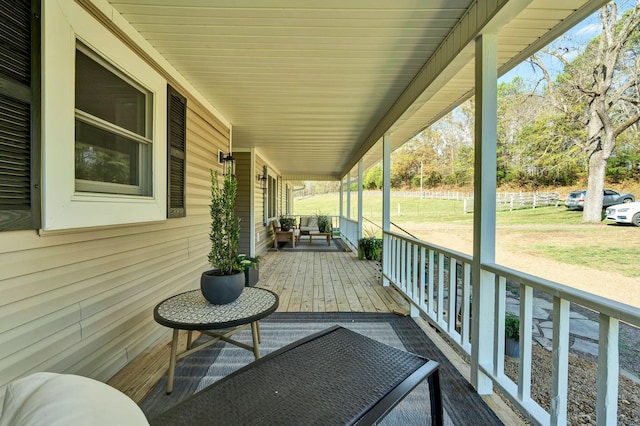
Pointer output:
x,y
245,262
512,326
287,222
324,224
370,248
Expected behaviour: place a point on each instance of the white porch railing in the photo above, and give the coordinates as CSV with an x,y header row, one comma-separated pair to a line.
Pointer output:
x,y
437,281
349,230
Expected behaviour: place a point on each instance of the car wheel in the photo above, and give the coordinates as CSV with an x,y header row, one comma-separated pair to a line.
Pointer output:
x,y
636,219
627,200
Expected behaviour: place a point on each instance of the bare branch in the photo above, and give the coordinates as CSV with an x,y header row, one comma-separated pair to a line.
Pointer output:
x,y
628,123
633,101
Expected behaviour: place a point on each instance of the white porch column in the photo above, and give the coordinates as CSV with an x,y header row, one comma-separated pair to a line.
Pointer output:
x,y
349,196
386,205
359,200
484,208
253,235
342,225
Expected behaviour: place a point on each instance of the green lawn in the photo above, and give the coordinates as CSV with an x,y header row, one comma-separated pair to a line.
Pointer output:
x,y
417,210
551,232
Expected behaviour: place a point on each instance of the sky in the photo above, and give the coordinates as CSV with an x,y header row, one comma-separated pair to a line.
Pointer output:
x,y
576,38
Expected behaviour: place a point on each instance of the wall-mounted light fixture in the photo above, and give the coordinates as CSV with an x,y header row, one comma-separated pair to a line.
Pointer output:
x,y
228,164
263,178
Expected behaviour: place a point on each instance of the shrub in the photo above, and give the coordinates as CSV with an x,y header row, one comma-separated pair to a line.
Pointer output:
x,y
370,248
512,326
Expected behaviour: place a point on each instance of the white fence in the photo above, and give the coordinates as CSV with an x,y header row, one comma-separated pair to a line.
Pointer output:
x,y
504,200
519,200
432,195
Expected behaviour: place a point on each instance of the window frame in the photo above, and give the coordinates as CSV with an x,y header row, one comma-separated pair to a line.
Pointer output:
x,y
145,143
63,207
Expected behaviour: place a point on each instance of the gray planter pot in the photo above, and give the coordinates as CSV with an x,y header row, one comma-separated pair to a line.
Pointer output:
x,y
251,277
512,348
221,289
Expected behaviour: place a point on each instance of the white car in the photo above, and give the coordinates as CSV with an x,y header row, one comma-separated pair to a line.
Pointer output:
x,y
625,213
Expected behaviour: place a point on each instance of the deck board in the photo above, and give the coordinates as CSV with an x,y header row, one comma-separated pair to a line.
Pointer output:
x,y
305,282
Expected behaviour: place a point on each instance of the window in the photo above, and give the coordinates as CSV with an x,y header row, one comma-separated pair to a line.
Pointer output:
x,y
19,114
104,110
113,129
176,152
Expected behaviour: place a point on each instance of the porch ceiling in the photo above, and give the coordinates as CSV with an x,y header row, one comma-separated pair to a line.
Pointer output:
x,y
312,85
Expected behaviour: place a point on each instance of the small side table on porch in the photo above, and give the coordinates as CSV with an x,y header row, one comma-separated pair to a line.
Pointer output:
x,y
191,311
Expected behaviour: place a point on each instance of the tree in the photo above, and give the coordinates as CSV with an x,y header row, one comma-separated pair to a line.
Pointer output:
x,y
372,178
599,91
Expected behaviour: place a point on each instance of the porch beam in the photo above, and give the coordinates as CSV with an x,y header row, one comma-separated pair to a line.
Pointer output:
x,y
484,219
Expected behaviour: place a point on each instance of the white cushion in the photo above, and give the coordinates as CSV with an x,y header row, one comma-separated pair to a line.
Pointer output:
x,y
313,221
304,220
66,399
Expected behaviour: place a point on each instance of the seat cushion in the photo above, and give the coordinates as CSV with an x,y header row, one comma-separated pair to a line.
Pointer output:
x,y
67,399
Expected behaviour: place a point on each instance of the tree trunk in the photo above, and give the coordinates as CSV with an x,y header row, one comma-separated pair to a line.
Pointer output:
x,y
595,189
602,142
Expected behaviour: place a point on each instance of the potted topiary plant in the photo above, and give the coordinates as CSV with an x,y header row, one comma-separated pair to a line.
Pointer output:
x,y
324,224
287,223
512,335
225,282
370,247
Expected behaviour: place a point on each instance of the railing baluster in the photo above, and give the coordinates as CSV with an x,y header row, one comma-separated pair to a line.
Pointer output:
x,y
453,294
440,299
408,275
423,276
526,338
607,383
466,306
396,261
499,316
430,280
415,287
560,361
407,268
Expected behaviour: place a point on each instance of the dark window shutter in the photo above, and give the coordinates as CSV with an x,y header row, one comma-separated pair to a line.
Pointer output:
x,y
176,152
19,114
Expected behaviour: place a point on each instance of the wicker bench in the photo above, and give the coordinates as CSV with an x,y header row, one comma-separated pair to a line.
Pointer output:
x,y
333,377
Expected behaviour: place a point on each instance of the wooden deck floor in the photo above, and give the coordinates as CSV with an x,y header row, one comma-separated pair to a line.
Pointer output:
x,y
305,282
327,282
